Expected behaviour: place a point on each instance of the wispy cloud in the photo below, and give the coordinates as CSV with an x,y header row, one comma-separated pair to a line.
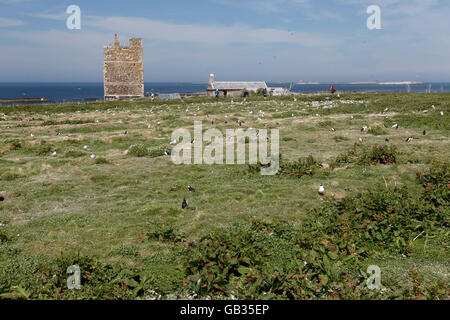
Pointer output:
x,y
7,23
208,34
13,1
329,40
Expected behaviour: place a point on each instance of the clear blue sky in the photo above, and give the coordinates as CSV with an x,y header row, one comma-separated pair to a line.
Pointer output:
x,y
273,40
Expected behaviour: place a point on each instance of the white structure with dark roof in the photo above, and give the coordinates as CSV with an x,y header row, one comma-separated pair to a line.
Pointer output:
x,y
235,88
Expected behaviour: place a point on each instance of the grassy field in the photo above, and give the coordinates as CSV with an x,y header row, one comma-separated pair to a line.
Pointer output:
x,y
244,235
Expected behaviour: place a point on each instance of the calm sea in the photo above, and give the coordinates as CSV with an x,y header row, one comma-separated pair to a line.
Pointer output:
x,y
65,92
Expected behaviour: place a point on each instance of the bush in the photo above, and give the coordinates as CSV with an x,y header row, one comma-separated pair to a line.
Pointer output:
x,y
10,176
29,278
44,149
4,237
380,155
301,167
101,161
265,261
436,181
159,152
377,131
15,145
366,155
164,233
138,150
359,225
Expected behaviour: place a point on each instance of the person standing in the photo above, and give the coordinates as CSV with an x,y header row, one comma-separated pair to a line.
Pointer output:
x,y
217,93
332,89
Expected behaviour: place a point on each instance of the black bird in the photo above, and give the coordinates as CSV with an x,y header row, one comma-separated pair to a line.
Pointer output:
x,y
387,140
191,189
184,204
126,132
424,132
2,198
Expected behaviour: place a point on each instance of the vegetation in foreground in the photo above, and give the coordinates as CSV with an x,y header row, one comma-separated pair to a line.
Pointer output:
x,y
118,215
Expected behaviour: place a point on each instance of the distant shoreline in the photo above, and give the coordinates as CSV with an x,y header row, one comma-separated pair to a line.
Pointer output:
x,y
399,83
25,100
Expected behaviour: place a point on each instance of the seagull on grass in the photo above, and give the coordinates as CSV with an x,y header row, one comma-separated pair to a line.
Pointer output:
x,y
395,126
364,129
410,139
321,190
191,189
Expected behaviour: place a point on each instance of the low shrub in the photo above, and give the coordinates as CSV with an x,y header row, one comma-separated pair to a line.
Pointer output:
x,y
377,131
44,149
164,232
299,168
138,150
101,160
436,181
358,225
367,155
158,152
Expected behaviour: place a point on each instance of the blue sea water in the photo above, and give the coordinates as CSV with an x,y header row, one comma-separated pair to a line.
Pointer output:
x,y
66,92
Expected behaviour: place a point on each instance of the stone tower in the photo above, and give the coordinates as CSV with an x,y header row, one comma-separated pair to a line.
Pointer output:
x,y
123,70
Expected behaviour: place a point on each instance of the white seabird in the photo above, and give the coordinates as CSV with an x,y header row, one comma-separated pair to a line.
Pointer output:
x,y
321,190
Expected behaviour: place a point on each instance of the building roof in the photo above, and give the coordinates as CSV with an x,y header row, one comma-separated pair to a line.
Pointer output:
x,y
238,85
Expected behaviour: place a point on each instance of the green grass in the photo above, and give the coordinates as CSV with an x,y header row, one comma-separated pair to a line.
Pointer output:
x,y
119,216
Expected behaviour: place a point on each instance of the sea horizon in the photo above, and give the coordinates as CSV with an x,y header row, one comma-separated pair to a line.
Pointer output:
x,y
60,92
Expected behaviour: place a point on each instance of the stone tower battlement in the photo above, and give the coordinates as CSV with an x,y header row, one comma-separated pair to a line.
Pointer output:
x,y
123,70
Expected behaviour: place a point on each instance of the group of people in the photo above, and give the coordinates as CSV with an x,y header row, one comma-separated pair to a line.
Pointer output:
x,y
217,92
264,92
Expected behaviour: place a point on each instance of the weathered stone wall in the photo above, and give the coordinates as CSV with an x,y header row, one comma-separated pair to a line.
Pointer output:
x,y
123,70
